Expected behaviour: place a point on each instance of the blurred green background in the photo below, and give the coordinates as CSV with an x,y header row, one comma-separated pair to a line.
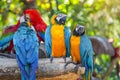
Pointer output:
x,y
100,18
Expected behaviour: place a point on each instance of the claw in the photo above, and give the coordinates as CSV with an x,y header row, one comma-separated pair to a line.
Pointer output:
x,y
76,67
69,63
51,59
64,58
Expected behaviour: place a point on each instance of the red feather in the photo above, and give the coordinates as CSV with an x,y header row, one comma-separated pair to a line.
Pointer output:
x,y
37,22
40,39
10,47
12,28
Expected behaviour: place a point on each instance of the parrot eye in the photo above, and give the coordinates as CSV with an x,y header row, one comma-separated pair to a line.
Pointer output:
x,y
80,30
26,17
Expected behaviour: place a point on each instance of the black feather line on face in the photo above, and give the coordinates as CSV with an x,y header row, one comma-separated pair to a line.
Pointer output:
x,y
75,33
61,19
78,33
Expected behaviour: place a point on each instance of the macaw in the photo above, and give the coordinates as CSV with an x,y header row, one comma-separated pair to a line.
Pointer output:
x,y
57,38
81,51
6,41
26,45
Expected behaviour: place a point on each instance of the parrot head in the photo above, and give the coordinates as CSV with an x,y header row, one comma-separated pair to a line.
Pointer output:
x,y
25,18
36,20
79,30
61,18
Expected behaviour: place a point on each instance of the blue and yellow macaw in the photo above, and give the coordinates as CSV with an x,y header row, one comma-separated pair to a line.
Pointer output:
x,y
57,38
26,47
81,51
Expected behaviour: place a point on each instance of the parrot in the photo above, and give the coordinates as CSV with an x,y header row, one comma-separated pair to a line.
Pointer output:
x,y
6,40
26,45
57,37
81,52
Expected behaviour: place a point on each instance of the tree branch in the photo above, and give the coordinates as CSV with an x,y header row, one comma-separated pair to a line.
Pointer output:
x,y
10,68
114,62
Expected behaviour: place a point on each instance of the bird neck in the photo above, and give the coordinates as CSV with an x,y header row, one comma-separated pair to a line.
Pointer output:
x,y
53,21
23,24
27,24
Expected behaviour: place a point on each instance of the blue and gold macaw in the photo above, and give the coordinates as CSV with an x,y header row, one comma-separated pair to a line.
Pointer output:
x,y
81,51
57,37
26,47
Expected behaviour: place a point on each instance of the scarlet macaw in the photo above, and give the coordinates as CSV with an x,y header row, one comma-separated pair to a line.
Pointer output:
x,y
6,41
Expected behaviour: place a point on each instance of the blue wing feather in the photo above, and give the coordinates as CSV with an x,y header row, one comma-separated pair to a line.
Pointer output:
x,y
4,43
86,53
48,41
26,45
24,40
67,35
42,35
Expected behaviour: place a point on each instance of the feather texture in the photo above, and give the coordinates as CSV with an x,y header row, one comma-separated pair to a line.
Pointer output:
x,y
67,35
82,53
57,36
86,52
48,41
26,46
5,40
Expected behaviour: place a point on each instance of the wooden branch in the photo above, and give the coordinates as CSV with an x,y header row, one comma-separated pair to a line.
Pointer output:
x,y
10,68
114,62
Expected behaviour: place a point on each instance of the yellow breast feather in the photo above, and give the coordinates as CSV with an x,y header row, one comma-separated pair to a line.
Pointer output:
x,y
58,42
75,48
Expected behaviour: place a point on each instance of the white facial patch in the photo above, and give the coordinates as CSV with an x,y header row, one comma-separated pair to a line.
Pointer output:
x,y
79,26
76,28
22,19
60,16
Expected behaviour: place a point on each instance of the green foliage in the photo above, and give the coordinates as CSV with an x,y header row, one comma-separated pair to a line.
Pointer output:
x,y
104,62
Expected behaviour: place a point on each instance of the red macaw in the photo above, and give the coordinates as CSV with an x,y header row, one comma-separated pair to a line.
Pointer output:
x,y
6,41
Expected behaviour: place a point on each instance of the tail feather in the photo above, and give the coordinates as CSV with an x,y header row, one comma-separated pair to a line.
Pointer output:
x,y
25,69
87,76
33,70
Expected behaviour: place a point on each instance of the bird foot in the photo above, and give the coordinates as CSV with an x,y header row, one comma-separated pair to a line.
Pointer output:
x,y
64,57
51,59
77,68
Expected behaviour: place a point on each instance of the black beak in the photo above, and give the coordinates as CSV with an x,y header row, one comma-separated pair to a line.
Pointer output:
x,y
63,20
